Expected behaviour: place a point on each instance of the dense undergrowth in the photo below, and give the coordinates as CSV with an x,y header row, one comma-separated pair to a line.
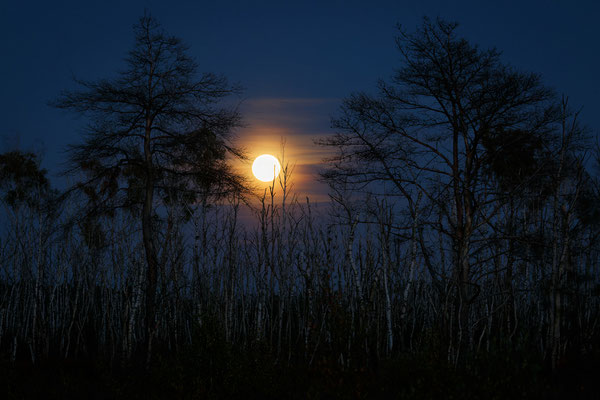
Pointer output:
x,y
214,369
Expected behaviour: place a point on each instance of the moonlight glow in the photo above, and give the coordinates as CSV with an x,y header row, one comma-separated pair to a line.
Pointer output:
x,y
266,168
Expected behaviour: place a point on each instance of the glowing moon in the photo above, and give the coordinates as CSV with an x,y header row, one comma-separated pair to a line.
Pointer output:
x,y
266,167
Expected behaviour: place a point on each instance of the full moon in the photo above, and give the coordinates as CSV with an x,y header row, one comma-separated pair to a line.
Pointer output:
x,y
266,167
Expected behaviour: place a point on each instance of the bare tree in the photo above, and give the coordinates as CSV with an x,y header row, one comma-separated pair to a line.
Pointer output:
x,y
425,132
156,133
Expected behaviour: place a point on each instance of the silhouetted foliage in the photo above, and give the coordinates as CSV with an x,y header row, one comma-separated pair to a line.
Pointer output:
x,y
156,132
21,178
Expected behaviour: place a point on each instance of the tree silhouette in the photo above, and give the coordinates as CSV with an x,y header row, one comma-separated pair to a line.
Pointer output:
x,y
156,133
449,117
21,179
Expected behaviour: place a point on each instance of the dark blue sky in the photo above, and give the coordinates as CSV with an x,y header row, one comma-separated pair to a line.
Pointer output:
x,y
295,59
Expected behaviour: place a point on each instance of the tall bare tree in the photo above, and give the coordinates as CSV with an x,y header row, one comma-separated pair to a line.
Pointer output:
x,y
156,133
426,132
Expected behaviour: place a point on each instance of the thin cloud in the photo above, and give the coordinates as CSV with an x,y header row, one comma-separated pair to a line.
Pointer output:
x,y
298,122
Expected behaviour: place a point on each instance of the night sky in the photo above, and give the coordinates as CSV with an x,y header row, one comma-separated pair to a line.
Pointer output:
x,y
297,60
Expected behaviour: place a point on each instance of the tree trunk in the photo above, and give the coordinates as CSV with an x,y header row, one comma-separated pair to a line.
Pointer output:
x,y
150,250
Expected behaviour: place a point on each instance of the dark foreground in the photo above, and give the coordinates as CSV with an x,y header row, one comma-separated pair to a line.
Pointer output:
x,y
221,373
